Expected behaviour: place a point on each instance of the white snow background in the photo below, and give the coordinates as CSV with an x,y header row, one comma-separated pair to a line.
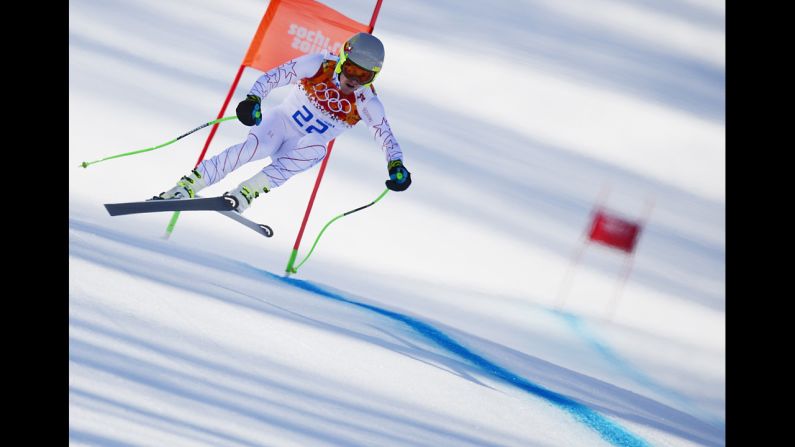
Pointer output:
x,y
432,318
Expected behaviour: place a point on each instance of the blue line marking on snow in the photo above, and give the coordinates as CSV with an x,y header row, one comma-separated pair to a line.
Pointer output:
x,y
579,327
608,430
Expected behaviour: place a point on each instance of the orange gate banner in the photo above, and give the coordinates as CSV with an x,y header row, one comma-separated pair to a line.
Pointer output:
x,y
292,28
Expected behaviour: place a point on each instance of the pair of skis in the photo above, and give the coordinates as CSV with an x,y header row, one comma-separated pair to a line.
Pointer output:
x,y
225,205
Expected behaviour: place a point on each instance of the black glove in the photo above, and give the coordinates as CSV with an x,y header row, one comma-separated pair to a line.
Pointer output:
x,y
399,176
248,111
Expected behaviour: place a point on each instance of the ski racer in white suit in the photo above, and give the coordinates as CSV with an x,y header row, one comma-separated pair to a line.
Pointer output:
x,y
331,94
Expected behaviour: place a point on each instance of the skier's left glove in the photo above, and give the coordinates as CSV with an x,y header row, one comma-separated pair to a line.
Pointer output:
x,y
248,111
399,176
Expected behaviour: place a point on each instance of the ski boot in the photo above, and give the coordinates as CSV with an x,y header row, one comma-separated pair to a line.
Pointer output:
x,y
186,187
246,192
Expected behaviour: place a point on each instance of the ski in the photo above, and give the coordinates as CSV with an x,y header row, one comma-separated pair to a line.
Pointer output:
x,y
220,203
262,229
223,204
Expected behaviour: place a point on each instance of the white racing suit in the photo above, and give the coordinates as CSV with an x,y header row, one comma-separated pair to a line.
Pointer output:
x,y
294,133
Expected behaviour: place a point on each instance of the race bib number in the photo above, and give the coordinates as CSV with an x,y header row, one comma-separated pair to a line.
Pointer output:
x,y
307,121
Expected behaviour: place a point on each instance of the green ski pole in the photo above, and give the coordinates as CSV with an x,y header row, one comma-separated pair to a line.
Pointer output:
x,y
86,164
292,258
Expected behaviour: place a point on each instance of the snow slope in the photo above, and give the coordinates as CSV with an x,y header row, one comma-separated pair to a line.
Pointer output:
x,y
433,317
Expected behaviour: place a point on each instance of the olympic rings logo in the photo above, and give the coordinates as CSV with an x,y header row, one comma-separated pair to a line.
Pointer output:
x,y
332,98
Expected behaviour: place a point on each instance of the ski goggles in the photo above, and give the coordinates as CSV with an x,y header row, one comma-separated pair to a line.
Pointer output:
x,y
357,73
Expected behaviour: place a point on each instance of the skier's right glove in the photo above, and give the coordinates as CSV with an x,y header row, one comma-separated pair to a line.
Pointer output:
x,y
248,111
399,176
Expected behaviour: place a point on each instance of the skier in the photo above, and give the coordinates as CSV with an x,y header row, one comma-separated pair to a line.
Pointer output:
x,y
330,95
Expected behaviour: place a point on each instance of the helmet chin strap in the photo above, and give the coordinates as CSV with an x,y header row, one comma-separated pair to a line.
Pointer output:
x,y
338,68
336,79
